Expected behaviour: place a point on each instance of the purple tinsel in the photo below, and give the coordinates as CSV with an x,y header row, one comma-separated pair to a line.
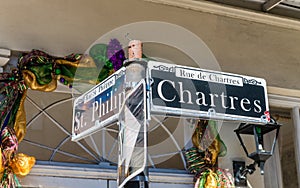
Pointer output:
x,y
115,53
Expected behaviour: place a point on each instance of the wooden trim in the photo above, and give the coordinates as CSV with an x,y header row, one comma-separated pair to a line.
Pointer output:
x,y
284,92
108,174
283,98
269,4
283,101
223,10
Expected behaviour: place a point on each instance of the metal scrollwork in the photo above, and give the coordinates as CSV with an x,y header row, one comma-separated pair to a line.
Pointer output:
x,y
165,68
251,81
121,73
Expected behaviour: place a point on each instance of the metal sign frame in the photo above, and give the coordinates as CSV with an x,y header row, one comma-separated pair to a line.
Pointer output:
x,y
164,100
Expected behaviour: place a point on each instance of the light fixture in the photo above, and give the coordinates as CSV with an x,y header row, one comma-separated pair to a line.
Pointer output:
x,y
261,154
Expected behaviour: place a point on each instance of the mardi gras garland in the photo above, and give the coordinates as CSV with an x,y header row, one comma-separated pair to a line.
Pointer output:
x,y
38,70
202,157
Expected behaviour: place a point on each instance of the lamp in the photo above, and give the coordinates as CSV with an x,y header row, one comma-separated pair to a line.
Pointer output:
x,y
261,154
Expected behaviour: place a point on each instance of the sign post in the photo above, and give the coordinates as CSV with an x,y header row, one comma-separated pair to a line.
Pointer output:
x,y
132,138
172,90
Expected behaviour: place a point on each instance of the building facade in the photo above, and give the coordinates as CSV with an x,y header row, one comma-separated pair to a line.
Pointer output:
x,y
243,40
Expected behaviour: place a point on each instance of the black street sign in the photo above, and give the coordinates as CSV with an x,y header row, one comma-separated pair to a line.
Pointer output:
x,y
99,106
186,91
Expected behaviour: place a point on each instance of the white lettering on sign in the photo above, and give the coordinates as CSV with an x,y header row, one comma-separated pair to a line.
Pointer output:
x,y
185,97
104,86
208,76
101,108
79,123
159,90
97,107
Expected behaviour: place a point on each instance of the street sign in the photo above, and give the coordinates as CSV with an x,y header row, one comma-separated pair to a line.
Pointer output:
x,y
99,106
192,92
132,135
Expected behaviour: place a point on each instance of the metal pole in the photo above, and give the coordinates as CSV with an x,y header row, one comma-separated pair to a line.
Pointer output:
x,y
296,119
135,72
